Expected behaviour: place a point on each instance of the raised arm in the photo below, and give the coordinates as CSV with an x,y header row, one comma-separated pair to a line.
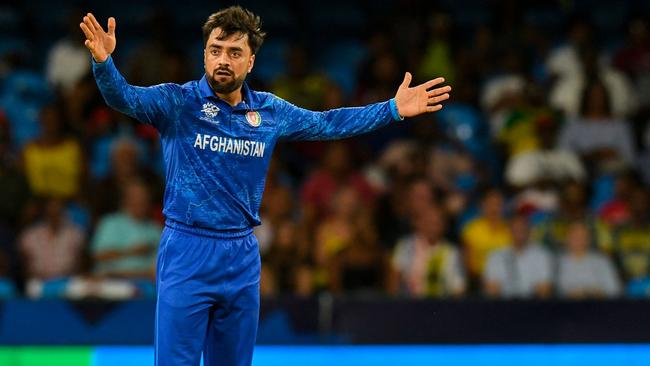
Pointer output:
x,y
302,124
154,105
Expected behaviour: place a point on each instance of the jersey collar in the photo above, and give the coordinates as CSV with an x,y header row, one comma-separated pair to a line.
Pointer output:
x,y
248,103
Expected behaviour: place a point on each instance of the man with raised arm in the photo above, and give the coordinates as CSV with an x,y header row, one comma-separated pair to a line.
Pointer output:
x,y
217,137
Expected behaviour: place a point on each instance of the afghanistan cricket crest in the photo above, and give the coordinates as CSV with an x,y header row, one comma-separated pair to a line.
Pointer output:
x,y
254,118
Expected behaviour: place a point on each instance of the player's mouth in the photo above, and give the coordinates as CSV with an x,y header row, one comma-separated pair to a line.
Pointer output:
x,y
223,73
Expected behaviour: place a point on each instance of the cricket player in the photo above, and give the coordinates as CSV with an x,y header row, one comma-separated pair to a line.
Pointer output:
x,y
217,137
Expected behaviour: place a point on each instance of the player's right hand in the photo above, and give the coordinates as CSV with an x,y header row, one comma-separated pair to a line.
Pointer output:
x,y
100,44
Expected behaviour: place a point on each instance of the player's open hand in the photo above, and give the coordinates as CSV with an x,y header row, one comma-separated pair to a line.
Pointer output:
x,y
100,44
412,101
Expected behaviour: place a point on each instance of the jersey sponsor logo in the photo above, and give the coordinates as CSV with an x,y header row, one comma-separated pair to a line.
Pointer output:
x,y
230,146
254,119
210,111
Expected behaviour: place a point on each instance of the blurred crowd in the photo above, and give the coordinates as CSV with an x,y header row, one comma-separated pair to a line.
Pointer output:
x,y
532,182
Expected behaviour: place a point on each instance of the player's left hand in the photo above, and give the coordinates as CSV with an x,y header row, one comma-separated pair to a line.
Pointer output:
x,y
412,101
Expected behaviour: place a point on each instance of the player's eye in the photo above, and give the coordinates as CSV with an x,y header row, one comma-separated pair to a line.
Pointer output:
x,y
214,52
236,54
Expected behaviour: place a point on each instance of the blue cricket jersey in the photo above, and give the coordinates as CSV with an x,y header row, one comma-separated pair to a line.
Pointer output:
x,y
216,156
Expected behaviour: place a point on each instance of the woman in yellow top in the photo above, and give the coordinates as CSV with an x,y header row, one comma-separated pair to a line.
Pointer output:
x,y
53,162
484,234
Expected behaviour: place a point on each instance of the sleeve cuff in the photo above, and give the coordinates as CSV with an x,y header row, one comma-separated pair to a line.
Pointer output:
x,y
393,110
96,64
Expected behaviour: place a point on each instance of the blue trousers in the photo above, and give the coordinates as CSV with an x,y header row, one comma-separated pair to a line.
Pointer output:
x,y
207,299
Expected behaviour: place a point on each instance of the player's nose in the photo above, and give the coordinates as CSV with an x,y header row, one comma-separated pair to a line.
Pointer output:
x,y
223,60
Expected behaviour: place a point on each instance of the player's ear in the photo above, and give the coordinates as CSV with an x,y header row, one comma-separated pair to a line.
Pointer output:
x,y
251,62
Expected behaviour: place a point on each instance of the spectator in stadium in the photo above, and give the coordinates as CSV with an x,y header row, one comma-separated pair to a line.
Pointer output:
x,y
542,160
67,60
299,85
567,94
505,91
303,277
392,214
284,256
604,140
158,59
484,234
360,267
633,58
438,53
383,71
420,198
524,270
125,242
334,173
632,244
552,231
348,224
564,61
277,208
616,209
52,249
537,170
425,263
54,162
125,167
268,281
583,272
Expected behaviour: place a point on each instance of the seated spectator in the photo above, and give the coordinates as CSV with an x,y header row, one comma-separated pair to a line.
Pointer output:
x,y
484,234
505,92
424,263
125,167
67,60
335,172
564,61
567,94
303,277
602,139
268,281
544,161
392,214
615,209
524,270
276,209
552,231
300,85
283,256
421,197
125,242
53,162
158,58
346,225
631,57
360,267
536,174
52,250
437,57
583,272
632,244
381,72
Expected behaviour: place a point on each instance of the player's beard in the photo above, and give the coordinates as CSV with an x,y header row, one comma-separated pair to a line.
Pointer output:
x,y
225,87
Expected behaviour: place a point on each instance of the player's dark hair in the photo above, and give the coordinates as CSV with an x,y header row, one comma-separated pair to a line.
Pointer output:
x,y
232,20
